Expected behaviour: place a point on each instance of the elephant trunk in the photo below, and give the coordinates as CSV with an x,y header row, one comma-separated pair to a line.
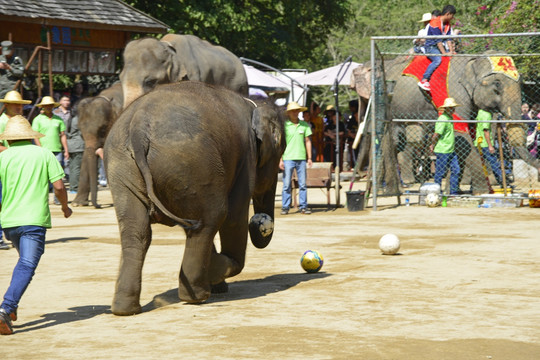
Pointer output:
x,y
88,179
131,92
262,203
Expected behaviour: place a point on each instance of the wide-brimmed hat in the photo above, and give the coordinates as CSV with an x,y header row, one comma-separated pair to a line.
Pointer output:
x,y
330,108
13,97
425,17
294,106
48,100
449,103
18,128
6,47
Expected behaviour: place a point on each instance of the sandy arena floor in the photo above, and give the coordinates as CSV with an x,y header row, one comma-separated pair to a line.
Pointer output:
x,y
464,286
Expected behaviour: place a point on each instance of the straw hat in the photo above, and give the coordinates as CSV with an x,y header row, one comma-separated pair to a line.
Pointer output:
x,y
449,103
18,128
294,106
47,100
426,17
330,108
13,97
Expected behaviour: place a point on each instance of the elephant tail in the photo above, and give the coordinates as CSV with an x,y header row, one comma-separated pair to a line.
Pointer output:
x,y
139,143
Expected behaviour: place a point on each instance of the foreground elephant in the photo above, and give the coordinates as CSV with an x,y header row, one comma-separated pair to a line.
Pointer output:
x,y
193,155
149,62
96,117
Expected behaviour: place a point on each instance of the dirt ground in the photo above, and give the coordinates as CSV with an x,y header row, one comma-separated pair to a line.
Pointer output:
x,y
464,286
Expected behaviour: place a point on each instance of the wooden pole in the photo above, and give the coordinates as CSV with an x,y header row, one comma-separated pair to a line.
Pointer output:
x,y
40,68
501,157
49,45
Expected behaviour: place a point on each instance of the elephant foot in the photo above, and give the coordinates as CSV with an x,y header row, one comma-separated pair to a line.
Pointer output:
x,y
77,204
193,294
220,288
125,307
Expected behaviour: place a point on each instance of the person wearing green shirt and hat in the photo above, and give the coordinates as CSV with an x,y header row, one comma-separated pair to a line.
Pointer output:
x,y
442,144
13,103
298,138
484,139
25,171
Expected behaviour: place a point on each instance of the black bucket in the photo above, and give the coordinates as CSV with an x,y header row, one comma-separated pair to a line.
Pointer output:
x,y
355,200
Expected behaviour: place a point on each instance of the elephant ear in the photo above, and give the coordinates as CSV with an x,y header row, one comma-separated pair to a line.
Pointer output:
x,y
267,124
475,71
175,71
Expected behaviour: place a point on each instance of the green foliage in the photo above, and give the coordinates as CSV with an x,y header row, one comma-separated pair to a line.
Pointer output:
x,y
281,33
312,34
60,82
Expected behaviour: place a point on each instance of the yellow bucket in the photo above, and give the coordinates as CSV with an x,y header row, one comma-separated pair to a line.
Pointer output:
x,y
501,191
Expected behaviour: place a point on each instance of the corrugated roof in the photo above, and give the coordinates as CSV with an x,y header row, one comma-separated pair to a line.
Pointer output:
x,y
96,14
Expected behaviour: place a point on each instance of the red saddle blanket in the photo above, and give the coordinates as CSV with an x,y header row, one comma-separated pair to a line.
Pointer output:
x,y
438,83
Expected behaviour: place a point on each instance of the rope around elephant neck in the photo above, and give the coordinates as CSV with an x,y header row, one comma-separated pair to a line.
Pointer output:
x,y
251,101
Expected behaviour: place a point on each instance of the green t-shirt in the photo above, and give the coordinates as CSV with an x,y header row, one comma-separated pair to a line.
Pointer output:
x,y
51,128
295,136
25,172
481,126
445,129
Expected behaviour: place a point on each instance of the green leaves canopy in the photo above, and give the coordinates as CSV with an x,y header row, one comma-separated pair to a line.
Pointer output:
x,y
282,33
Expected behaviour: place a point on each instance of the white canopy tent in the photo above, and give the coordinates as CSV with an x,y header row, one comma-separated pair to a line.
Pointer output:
x,y
328,76
258,78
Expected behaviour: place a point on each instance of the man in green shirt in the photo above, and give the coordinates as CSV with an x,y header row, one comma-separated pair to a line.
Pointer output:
x,y
297,135
25,172
13,102
484,139
442,144
53,127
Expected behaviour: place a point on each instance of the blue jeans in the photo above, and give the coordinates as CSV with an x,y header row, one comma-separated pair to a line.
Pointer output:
x,y
442,164
300,166
435,61
29,241
493,161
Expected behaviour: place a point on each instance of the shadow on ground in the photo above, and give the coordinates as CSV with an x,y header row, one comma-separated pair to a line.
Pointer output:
x,y
239,290
78,313
66,239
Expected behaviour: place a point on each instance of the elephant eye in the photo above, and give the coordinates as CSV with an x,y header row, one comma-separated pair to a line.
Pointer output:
x,y
149,83
498,87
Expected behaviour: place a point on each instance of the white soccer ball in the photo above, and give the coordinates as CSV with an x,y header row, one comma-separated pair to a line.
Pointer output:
x,y
264,223
433,200
389,244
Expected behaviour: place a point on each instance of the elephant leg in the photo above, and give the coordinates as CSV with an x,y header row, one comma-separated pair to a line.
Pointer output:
x,y
93,178
194,284
84,186
233,235
231,260
136,234
407,164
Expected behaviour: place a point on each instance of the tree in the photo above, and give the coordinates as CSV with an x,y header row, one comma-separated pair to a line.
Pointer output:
x,y
281,33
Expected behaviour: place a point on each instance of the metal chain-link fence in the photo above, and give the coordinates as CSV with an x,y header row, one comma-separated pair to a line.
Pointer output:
x,y
491,141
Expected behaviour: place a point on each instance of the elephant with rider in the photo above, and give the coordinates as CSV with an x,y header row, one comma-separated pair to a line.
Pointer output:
x,y
474,83
194,155
149,62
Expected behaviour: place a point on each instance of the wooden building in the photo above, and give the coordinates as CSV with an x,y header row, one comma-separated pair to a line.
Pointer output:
x,y
85,35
